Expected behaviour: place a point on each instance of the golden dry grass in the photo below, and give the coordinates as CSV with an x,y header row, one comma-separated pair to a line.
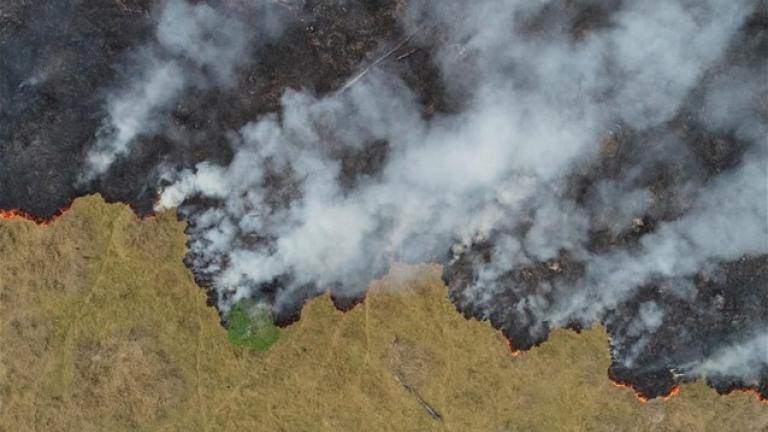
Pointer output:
x,y
103,329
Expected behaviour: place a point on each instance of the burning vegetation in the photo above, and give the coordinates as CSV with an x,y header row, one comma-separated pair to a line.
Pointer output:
x,y
21,214
569,163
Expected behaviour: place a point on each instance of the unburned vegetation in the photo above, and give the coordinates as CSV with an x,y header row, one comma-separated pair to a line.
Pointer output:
x,y
102,328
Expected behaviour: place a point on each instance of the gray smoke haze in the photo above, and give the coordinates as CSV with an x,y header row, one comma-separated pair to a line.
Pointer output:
x,y
743,360
539,102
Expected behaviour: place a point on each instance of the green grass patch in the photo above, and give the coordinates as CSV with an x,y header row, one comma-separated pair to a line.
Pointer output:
x,y
250,325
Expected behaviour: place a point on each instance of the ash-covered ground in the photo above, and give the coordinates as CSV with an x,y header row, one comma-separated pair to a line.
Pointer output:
x,y
569,162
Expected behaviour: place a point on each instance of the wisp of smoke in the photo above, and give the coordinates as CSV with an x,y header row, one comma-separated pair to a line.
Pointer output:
x,y
194,46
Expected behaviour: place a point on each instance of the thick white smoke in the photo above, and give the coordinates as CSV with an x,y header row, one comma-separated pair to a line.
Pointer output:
x,y
538,103
536,109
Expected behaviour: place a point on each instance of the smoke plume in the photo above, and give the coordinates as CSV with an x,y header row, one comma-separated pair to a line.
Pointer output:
x,y
590,152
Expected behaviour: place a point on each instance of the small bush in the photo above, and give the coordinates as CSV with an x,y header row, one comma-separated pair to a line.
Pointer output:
x,y
250,325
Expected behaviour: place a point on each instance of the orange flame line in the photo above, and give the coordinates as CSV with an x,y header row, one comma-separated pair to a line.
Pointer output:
x,y
21,214
676,391
637,394
672,393
754,392
8,214
512,350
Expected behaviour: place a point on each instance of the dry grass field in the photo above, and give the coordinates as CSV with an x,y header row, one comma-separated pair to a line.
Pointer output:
x,y
103,329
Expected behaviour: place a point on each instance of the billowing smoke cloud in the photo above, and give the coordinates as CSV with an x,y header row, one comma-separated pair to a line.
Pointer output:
x,y
326,194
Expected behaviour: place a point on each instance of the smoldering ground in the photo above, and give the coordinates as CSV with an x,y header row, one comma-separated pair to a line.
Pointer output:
x,y
568,162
